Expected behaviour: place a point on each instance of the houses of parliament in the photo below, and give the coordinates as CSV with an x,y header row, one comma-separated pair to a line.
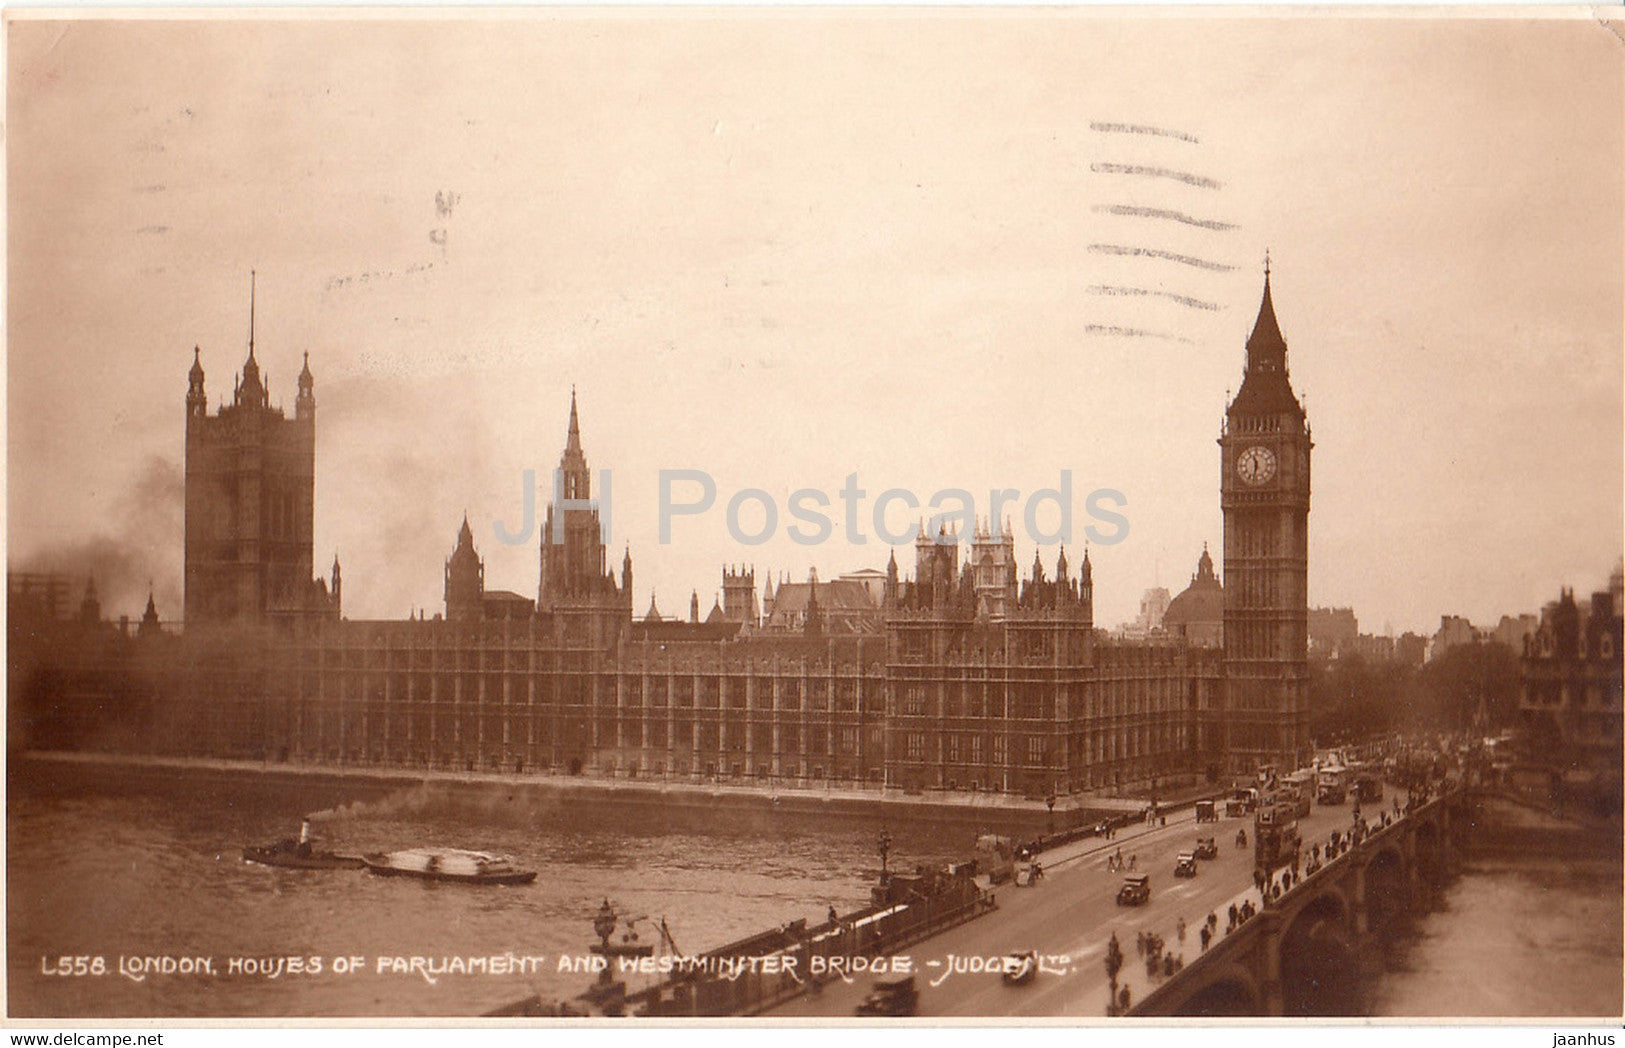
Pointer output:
x,y
963,673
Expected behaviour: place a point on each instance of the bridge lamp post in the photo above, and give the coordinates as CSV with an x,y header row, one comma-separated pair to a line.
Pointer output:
x,y
883,845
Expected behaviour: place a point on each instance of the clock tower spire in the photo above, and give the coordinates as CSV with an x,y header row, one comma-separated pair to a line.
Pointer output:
x,y
1264,492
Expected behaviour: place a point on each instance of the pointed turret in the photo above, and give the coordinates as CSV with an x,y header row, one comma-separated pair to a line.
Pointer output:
x,y
305,405
465,579
1204,568
90,609
654,611
694,606
814,624
196,402
149,618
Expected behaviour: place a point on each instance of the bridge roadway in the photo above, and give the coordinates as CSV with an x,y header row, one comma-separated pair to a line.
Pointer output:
x,y
1069,916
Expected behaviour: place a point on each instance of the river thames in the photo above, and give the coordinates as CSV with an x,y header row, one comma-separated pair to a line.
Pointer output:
x,y
148,870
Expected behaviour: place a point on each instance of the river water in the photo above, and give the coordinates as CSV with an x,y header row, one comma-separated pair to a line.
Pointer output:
x,y
1515,937
147,869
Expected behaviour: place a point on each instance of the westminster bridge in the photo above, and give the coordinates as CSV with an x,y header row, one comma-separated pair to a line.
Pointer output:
x,y
1311,949
1221,943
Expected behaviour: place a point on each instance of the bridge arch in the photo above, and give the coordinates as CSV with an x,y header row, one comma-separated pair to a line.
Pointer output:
x,y
1432,855
1385,889
1230,992
1319,973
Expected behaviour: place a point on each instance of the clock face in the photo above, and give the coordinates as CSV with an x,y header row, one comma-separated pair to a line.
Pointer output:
x,y
1256,465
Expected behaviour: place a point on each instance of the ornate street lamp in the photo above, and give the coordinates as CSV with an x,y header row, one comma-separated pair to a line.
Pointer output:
x,y
603,923
883,844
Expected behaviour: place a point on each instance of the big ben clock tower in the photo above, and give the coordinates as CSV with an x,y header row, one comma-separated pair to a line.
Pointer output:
x,y
1264,491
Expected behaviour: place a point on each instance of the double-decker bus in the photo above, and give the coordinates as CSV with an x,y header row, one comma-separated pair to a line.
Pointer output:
x,y
1332,784
1299,788
1276,842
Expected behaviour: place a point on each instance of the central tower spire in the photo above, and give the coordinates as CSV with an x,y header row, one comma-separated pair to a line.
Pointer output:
x,y
577,482
251,275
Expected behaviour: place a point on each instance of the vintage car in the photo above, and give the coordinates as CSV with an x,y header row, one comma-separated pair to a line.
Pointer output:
x,y
892,995
1136,891
1185,865
1205,812
1020,968
1207,848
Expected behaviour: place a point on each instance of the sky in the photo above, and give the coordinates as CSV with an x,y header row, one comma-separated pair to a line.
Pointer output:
x,y
949,249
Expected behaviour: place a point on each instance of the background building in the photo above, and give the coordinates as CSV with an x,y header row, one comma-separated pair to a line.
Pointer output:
x,y
1196,616
1573,680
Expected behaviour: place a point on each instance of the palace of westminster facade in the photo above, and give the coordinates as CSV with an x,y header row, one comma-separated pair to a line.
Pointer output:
x,y
962,676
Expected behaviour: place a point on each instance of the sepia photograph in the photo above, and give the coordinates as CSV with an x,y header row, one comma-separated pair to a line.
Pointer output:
x,y
815,516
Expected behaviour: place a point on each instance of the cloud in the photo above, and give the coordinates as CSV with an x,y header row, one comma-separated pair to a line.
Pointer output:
x,y
143,549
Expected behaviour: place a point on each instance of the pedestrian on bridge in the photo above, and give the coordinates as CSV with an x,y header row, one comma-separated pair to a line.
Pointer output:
x,y
1180,928
1207,937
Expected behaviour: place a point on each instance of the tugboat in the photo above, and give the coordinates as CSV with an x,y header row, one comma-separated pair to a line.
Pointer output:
x,y
449,864
301,854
